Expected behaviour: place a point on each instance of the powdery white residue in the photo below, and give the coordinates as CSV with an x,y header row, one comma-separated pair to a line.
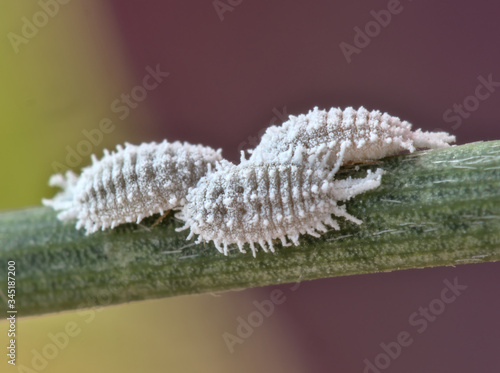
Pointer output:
x,y
132,183
360,135
257,203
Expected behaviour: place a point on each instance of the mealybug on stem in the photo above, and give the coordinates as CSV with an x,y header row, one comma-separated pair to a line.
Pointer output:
x,y
132,183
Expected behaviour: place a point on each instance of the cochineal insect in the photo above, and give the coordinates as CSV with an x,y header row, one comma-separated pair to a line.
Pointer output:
x,y
130,184
348,136
258,203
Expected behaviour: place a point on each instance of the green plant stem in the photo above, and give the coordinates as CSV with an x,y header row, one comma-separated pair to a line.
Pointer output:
x,y
434,208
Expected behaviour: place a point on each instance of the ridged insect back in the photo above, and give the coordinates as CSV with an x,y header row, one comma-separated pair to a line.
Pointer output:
x,y
365,136
131,183
252,204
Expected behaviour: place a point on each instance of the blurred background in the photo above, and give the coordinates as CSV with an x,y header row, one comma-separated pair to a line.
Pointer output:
x,y
77,77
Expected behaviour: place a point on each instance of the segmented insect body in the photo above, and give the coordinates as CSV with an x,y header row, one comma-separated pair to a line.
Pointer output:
x,y
355,135
252,203
132,183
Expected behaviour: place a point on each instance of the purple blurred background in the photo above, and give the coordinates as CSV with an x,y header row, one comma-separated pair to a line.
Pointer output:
x,y
234,69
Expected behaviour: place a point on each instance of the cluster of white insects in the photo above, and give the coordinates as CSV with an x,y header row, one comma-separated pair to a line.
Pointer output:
x,y
286,188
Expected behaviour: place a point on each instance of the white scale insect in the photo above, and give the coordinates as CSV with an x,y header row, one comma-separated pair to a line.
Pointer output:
x,y
285,189
353,135
132,183
252,203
